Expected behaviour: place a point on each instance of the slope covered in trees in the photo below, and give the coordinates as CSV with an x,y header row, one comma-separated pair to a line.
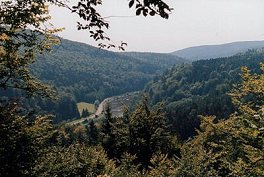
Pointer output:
x,y
141,141
200,88
140,144
88,73
162,60
79,72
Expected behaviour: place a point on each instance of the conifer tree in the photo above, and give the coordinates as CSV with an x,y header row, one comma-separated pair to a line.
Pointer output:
x,y
85,113
24,34
107,136
92,133
22,140
149,134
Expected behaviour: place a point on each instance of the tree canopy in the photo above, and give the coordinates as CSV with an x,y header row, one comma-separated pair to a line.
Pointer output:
x,y
25,31
141,142
200,88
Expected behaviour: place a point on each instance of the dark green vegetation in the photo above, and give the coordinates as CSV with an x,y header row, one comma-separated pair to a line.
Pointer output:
x,y
63,108
138,144
200,88
80,72
161,60
85,113
218,51
88,73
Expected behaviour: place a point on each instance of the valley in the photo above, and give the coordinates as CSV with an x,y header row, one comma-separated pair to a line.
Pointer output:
x,y
82,73
188,91
186,101
124,108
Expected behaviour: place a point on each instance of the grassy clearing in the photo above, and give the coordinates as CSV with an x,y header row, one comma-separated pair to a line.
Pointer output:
x,y
83,105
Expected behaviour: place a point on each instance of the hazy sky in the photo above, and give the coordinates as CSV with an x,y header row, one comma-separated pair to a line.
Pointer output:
x,y
192,23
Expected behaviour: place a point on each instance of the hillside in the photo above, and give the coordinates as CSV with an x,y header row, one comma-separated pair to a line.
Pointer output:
x,y
89,73
200,88
216,51
82,73
160,59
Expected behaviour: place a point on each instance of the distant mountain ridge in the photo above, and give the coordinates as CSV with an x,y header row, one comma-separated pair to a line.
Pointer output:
x,y
217,51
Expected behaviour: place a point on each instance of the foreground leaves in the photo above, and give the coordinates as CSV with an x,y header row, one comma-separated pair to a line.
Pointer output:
x,y
232,147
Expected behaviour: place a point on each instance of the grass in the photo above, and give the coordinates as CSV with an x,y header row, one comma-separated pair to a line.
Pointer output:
x,y
82,105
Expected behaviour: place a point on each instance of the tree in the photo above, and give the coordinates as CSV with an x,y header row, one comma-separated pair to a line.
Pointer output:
x,y
93,133
85,113
22,140
162,165
19,44
25,32
235,146
127,167
96,24
149,134
75,160
108,138
141,133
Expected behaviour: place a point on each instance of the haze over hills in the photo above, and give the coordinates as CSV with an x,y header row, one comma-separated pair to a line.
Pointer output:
x,y
217,51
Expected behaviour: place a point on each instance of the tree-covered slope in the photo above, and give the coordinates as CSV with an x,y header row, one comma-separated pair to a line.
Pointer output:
x,y
200,88
79,72
89,73
160,59
217,51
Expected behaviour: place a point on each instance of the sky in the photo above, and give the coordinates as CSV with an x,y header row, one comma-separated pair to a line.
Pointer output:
x,y
191,23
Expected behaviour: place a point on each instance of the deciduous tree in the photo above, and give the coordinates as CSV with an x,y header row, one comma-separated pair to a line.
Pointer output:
x,y
232,147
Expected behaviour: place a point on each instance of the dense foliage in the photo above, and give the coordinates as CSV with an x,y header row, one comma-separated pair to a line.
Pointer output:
x,y
138,144
232,147
20,46
88,73
142,133
200,88
23,136
80,72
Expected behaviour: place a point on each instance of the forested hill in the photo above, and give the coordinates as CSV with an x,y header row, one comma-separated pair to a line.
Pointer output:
x,y
217,51
189,90
160,59
89,73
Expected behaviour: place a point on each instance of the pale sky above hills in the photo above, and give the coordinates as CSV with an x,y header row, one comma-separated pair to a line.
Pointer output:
x,y
192,23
